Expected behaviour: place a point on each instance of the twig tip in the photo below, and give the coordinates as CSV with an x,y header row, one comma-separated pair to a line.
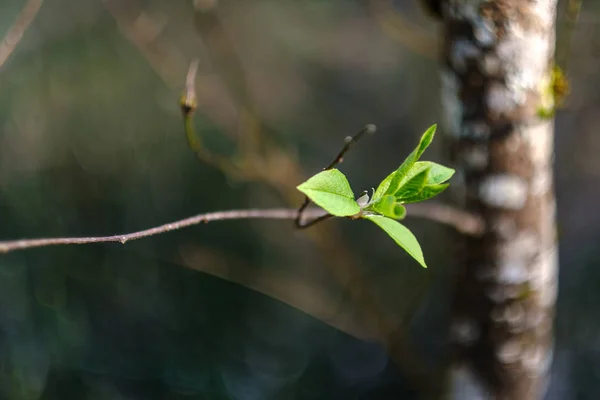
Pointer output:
x,y
370,129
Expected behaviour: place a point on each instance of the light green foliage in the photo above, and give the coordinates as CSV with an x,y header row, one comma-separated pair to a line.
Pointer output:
x,y
389,207
331,191
391,184
437,173
425,194
412,182
401,235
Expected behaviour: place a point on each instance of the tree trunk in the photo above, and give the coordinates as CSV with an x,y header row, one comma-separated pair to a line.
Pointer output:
x,y
497,63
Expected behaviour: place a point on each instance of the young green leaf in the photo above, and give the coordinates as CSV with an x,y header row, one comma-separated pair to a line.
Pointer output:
x,y
330,190
426,140
391,183
388,207
414,184
399,211
427,193
401,235
383,206
383,186
437,173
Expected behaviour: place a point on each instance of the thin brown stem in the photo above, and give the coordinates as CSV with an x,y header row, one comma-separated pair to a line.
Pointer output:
x,y
17,30
312,222
462,221
225,57
299,214
277,213
188,105
349,142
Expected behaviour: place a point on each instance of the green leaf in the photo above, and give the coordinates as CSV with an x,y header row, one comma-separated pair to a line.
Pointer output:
x,y
399,211
438,173
331,191
427,193
391,183
383,186
426,140
401,235
387,206
415,182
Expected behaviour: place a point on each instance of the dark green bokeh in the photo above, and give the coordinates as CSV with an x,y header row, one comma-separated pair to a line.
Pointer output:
x,y
91,142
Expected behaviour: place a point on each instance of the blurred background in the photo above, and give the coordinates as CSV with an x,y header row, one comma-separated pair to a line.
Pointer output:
x,y
92,143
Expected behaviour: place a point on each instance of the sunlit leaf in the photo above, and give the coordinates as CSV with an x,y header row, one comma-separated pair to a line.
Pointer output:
x,y
427,193
331,191
389,207
401,235
413,185
391,183
438,173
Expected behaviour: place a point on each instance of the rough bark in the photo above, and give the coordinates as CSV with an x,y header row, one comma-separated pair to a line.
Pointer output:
x,y
497,59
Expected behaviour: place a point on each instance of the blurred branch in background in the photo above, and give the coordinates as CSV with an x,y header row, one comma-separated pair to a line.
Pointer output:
x,y
188,105
17,30
226,60
143,31
165,57
411,36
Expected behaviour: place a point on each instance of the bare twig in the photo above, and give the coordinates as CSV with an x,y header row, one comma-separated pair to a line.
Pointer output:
x,y
276,213
188,104
18,28
463,221
225,56
350,141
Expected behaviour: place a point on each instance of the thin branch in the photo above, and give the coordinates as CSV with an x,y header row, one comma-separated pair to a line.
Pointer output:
x,y
350,141
225,56
17,30
462,221
188,105
276,213
312,222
